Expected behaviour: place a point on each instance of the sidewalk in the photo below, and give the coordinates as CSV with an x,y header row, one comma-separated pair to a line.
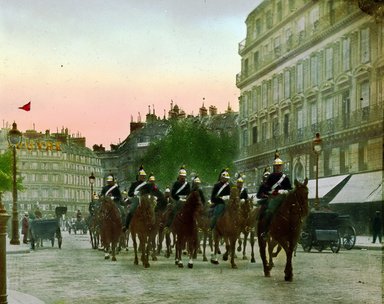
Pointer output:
x,y
16,297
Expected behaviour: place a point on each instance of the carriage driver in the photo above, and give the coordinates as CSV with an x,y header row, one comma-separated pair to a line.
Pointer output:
x,y
276,187
220,191
180,190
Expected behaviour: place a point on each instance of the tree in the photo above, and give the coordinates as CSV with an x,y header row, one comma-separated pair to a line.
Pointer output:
x,y
189,143
6,174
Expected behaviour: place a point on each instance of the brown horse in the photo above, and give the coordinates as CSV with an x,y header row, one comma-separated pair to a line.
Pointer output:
x,y
184,227
142,225
111,226
228,227
205,232
285,226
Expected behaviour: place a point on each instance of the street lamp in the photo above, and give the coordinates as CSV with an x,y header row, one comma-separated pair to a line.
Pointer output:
x,y
92,179
14,138
316,146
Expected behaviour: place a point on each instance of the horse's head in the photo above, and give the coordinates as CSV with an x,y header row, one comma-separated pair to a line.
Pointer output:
x,y
194,201
301,195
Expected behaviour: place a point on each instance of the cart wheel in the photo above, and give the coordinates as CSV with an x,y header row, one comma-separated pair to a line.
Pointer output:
x,y
306,241
335,245
319,246
349,237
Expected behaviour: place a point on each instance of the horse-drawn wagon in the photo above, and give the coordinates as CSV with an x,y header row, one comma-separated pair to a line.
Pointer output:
x,y
324,229
44,229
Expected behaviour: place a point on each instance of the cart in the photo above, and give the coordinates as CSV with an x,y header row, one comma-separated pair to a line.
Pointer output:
x,y
347,232
321,230
44,229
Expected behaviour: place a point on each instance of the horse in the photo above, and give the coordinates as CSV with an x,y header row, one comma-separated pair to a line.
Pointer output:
x,y
228,227
285,226
142,226
184,227
93,224
203,224
248,226
110,226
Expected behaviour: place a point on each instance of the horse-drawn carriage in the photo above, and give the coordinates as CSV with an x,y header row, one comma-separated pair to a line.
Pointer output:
x,y
44,229
76,225
327,229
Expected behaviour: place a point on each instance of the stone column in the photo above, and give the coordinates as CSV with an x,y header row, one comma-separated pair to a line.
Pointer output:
x,y
3,253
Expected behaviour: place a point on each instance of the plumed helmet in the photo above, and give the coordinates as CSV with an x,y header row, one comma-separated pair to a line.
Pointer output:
x,y
151,178
182,171
277,160
141,171
167,190
224,173
266,172
197,180
110,178
239,178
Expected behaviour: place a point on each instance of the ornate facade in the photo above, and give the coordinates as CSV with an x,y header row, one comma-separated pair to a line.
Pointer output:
x,y
308,67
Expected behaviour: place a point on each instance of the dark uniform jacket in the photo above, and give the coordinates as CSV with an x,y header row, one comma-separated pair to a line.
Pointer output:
x,y
243,193
185,191
273,178
217,198
115,192
131,191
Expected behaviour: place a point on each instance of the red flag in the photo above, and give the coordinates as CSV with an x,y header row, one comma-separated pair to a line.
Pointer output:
x,y
26,107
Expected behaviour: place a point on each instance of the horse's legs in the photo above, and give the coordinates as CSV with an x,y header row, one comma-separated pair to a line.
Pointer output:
x,y
167,245
114,243
263,257
288,266
252,243
232,248
160,240
245,245
214,259
136,261
204,245
106,251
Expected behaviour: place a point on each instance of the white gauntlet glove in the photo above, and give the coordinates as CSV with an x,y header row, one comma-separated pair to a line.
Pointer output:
x,y
281,191
225,197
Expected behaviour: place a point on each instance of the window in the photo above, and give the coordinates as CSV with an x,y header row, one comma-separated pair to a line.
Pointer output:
x,y
245,138
268,19
300,119
364,87
314,114
287,84
275,127
329,63
245,67
254,135
286,124
346,54
314,71
301,28
364,45
275,90
329,108
254,100
279,12
288,38
291,5
300,78
314,17
258,26
256,59
264,94
264,131
277,48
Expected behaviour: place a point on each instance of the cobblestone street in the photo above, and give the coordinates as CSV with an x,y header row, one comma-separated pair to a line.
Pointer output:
x,y
79,274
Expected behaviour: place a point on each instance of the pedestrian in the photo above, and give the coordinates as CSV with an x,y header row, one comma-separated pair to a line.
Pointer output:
x,y
25,227
220,192
377,226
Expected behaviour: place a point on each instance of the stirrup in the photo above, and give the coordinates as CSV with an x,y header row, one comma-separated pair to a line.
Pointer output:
x,y
265,235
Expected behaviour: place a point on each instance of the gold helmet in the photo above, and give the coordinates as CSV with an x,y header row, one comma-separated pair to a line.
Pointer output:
x,y
277,160
141,171
182,171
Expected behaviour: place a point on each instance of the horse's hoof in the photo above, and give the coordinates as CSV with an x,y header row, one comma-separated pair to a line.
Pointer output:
x,y
267,274
239,249
190,265
176,262
113,259
225,257
205,259
234,266
214,261
154,258
253,260
180,265
245,257
288,278
218,251
106,256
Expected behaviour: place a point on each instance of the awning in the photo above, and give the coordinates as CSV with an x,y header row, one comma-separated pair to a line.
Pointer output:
x,y
361,188
326,184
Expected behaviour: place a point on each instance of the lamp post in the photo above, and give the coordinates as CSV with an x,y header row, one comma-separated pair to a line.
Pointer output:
x,y
14,138
92,179
316,146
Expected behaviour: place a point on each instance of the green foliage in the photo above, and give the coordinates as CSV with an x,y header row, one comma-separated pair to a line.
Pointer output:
x,y
6,174
190,144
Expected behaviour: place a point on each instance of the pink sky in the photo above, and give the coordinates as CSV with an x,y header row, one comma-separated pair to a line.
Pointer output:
x,y
91,67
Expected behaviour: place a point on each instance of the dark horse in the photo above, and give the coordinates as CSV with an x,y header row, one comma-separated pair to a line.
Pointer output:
x,y
184,226
111,226
143,225
285,226
228,227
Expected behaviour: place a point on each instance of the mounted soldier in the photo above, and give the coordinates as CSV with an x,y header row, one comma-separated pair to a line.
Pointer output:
x,y
196,185
111,190
243,193
221,190
274,189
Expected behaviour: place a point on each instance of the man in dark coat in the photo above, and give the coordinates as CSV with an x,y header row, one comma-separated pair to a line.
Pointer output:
x,y
180,190
377,226
111,189
220,192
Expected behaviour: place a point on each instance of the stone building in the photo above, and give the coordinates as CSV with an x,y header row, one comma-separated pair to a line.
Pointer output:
x,y
312,67
55,168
